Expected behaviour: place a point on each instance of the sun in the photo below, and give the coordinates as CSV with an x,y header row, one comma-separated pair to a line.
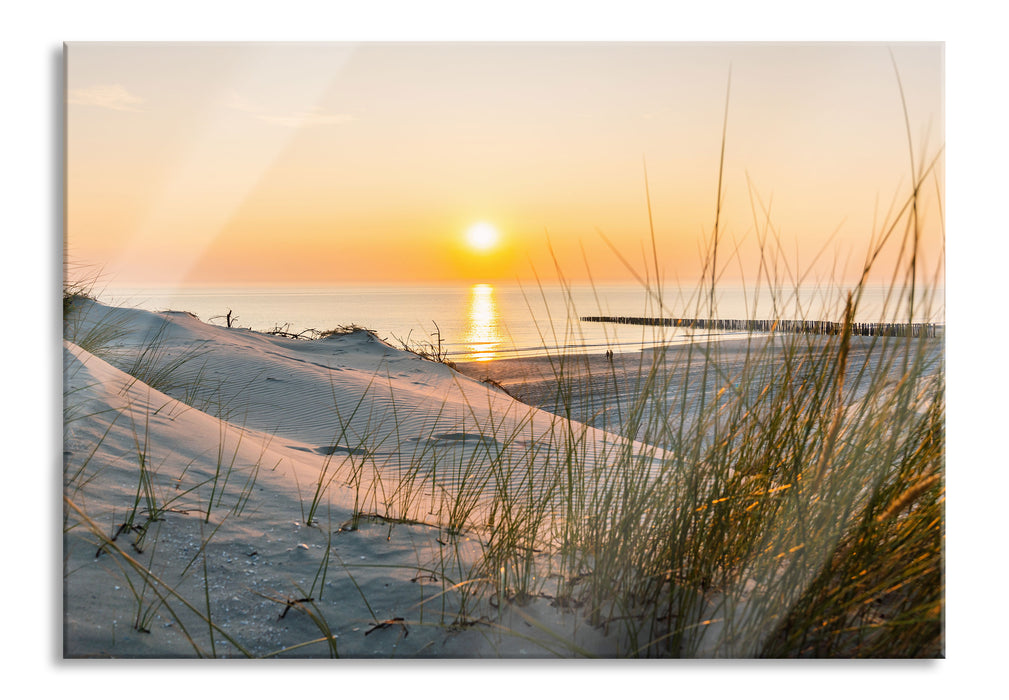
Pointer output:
x,y
482,236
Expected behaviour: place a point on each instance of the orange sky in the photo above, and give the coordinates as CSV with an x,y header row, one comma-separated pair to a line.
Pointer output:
x,y
367,163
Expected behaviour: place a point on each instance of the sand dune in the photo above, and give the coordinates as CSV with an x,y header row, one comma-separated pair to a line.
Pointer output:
x,y
205,492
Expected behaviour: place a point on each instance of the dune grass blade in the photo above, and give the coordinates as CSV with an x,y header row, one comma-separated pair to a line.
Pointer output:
x,y
165,593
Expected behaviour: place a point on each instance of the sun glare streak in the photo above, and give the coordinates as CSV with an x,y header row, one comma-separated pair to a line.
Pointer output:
x,y
483,337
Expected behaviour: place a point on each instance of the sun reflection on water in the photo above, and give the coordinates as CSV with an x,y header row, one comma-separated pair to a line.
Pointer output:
x,y
483,337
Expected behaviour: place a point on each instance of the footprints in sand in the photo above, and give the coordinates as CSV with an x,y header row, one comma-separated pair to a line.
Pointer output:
x,y
449,440
458,439
333,449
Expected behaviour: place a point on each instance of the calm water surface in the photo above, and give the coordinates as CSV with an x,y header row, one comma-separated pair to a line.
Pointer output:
x,y
482,321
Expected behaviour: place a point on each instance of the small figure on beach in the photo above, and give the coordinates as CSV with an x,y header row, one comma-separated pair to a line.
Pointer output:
x,y
609,355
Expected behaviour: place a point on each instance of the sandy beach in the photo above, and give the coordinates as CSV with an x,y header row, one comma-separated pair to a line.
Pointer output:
x,y
333,497
599,390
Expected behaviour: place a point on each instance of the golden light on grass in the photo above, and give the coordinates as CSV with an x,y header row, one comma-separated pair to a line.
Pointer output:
x,y
482,237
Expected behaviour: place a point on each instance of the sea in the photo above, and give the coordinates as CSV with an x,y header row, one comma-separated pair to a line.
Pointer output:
x,y
480,322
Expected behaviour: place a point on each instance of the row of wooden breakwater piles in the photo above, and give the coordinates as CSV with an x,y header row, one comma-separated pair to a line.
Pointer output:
x,y
903,330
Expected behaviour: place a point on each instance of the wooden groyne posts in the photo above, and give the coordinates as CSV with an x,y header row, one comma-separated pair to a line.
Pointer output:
x,y
915,330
